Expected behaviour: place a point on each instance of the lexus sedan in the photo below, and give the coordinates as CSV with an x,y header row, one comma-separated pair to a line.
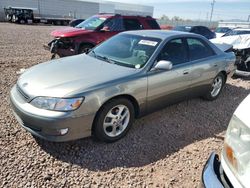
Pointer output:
x,y
131,74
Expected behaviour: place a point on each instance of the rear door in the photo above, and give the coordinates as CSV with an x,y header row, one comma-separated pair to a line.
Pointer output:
x,y
166,87
204,62
132,24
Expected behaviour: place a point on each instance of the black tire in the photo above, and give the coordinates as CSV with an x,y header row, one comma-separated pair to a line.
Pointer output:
x,y
210,96
84,48
98,129
22,21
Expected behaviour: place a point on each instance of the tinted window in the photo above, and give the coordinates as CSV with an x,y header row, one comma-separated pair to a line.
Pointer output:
x,y
115,24
198,49
153,24
132,24
174,51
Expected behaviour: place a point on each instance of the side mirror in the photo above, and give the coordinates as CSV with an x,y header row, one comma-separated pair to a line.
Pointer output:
x,y
163,65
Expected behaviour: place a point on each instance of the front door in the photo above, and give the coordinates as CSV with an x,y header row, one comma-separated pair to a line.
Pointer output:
x,y
166,87
110,28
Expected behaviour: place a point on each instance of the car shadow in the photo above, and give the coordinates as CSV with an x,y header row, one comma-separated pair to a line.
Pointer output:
x,y
154,136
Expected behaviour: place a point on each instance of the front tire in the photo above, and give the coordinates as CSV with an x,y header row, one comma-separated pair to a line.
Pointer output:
x,y
114,120
216,87
85,48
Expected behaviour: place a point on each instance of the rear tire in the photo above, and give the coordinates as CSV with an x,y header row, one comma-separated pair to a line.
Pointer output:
x,y
114,120
216,87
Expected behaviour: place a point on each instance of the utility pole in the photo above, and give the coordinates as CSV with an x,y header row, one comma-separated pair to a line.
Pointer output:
x,y
212,10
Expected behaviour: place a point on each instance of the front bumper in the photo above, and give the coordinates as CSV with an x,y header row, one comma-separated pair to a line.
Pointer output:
x,y
213,174
47,124
57,46
210,173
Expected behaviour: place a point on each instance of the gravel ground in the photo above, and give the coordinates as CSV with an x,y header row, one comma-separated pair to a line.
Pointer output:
x,y
165,149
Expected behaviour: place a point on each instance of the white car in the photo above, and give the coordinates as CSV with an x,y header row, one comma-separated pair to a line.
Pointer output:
x,y
234,168
220,31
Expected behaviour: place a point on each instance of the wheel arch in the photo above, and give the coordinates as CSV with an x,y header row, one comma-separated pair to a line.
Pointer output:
x,y
225,74
126,96
85,43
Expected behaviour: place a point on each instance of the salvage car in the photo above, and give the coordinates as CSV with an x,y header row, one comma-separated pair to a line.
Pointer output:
x,y
93,31
237,31
220,31
133,73
233,168
201,30
241,48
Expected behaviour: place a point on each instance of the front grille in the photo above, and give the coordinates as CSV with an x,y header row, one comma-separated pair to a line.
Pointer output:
x,y
22,93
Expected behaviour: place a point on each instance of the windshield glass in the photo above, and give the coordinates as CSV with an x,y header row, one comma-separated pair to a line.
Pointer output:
x,y
182,28
222,29
91,23
126,50
237,32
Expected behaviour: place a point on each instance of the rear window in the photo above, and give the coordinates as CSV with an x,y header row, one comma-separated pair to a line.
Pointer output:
x,y
153,24
198,49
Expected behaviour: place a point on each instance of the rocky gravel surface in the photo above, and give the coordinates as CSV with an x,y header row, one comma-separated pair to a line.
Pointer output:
x,y
165,149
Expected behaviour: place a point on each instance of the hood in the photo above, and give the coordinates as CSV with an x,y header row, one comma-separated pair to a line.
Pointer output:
x,y
237,41
69,32
242,111
70,76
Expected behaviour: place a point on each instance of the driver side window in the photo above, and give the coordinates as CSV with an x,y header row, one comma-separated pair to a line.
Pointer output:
x,y
115,24
174,51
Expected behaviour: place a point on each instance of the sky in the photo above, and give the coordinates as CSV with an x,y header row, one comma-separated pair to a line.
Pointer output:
x,y
198,9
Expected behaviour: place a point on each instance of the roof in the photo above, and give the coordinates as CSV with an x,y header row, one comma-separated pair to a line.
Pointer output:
x,y
29,8
162,34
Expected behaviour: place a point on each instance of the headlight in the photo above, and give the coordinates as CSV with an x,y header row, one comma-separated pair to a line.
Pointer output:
x,y
237,145
57,104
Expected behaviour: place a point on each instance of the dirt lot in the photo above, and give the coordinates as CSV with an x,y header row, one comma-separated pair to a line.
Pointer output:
x,y
165,149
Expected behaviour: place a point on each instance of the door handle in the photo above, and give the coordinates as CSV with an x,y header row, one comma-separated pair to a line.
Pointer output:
x,y
186,72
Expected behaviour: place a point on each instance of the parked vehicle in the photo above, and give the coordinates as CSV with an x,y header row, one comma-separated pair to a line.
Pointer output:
x,y
237,31
220,31
24,15
241,48
125,77
233,169
75,22
93,31
201,30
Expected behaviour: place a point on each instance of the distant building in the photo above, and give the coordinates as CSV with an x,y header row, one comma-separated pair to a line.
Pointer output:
x,y
234,24
76,8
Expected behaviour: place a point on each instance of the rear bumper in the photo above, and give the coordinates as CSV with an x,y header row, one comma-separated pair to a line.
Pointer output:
x,y
210,173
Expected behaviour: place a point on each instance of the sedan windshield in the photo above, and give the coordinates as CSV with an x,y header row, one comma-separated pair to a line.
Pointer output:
x,y
91,23
126,50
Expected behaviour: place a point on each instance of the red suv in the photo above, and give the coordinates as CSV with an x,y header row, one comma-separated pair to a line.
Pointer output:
x,y
94,30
